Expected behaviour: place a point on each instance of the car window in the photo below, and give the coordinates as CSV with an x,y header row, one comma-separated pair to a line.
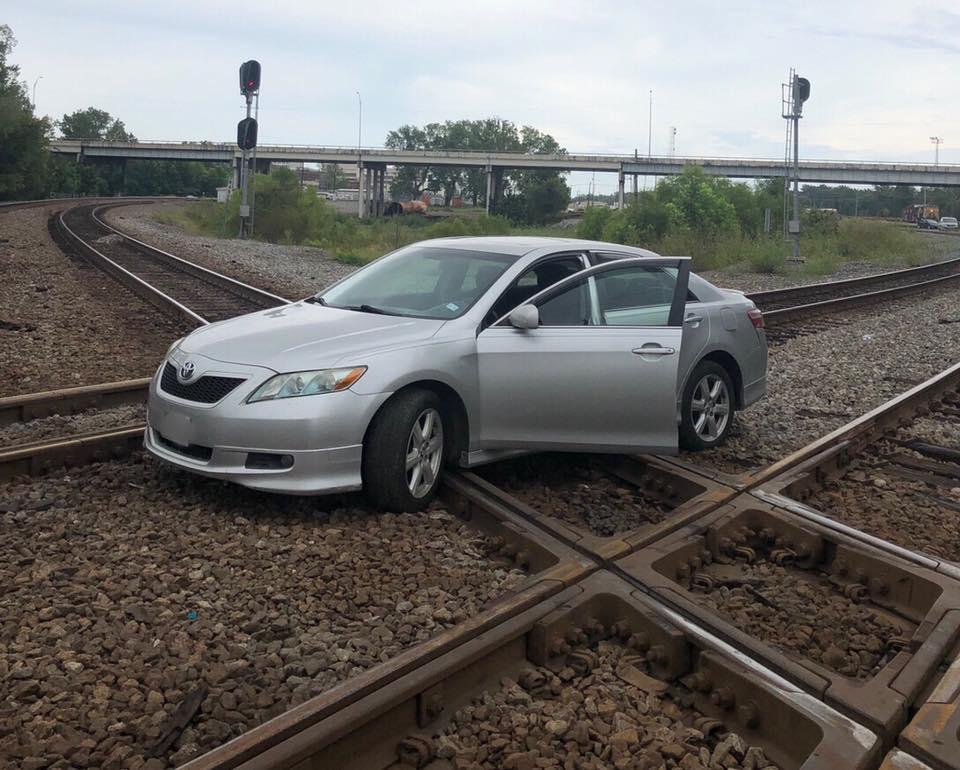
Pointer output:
x,y
539,277
635,296
570,307
612,257
420,281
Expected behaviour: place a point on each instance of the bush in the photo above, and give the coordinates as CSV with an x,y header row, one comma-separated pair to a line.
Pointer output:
x,y
593,221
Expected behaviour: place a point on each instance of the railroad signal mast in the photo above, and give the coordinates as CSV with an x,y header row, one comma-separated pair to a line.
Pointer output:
x,y
247,139
794,94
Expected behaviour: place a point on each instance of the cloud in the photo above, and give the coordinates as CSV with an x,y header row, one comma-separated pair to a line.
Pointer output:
x,y
581,71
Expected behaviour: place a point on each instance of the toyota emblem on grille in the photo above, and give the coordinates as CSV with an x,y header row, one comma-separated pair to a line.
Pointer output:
x,y
187,370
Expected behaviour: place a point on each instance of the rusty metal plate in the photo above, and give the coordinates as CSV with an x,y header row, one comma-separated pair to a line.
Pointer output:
x,y
899,760
380,726
934,733
728,549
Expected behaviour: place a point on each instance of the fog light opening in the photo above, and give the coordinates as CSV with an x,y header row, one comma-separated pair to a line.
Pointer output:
x,y
268,461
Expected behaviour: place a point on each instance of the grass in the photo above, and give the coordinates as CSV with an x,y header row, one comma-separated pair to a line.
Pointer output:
x,y
825,248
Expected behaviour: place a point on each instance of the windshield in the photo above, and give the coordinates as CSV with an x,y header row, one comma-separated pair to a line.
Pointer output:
x,y
420,281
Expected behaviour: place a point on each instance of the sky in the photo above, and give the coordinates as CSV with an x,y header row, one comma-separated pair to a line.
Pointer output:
x,y
881,72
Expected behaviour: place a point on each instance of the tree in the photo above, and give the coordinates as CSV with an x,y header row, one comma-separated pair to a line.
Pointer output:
x,y
333,176
23,136
410,181
699,201
527,196
94,123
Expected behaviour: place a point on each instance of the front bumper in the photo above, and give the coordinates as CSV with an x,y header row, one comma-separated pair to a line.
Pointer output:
x,y
320,438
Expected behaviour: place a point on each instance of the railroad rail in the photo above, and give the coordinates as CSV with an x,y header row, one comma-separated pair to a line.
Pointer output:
x,y
813,293
175,285
644,595
638,605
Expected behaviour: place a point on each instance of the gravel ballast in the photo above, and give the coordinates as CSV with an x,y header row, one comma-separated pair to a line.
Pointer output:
x,y
64,323
128,587
64,425
819,382
802,613
595,721
571,489
878,495
293,272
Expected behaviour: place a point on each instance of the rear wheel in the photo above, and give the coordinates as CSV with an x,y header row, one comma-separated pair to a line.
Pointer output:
x,y
404,451
707,408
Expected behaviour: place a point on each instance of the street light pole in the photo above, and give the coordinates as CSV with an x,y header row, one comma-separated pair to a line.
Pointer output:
x,y
937,141
359,155
33,101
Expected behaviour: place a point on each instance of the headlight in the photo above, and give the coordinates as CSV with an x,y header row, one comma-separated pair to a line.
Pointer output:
x,y
174,346
307,383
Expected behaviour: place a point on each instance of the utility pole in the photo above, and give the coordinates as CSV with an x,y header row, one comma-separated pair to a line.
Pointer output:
x,y
795,93
650,137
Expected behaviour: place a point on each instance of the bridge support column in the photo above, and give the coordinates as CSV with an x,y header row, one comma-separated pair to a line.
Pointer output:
x,y
380,192
369,190
360,170
620,189
489,187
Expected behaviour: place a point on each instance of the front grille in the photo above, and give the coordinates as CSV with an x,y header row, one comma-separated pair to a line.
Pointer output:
x,y
206,390
196,451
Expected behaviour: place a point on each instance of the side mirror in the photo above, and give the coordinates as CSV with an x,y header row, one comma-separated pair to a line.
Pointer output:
x,y
524,317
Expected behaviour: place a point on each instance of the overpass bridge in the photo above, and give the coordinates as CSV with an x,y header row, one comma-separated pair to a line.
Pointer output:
x,y
374,160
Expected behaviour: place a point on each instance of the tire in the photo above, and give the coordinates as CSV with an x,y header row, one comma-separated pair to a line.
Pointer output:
x,y
713,381
391,442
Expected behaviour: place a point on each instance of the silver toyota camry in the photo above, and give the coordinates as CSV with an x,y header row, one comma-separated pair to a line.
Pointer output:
x,y
460,350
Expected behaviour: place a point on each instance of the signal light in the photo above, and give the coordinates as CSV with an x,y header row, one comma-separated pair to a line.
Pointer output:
x,y
249,77
247,134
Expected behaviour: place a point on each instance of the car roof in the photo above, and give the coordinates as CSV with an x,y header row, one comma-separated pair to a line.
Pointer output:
x,y
518,245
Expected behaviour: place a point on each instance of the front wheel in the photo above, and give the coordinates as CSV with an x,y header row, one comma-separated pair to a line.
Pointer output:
x,y
404,451
707,408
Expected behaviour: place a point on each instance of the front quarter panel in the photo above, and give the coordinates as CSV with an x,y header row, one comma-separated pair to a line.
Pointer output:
x,y
451,361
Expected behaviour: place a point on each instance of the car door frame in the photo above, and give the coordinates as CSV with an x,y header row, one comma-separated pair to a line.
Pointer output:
x,y
501,438
586,264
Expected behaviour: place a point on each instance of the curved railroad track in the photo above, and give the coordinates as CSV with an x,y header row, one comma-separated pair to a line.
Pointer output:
x,y
171,283
591,594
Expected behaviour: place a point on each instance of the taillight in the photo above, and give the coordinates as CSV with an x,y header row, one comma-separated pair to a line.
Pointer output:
x,y
756,317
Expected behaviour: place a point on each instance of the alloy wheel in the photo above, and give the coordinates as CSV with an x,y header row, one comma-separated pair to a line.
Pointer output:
x,y
710,408
424,452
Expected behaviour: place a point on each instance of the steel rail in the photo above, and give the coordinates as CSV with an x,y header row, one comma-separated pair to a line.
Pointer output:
x,y
244,289
258,298
783,316
107,395
794,294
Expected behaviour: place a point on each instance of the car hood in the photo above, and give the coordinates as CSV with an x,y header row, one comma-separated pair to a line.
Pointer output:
x,y
305,336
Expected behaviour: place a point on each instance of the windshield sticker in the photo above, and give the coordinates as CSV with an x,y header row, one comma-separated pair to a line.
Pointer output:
x,y
453,308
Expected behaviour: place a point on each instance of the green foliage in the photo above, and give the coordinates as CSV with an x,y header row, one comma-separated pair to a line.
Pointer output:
x,y
700,201
168,177
23,136
93,123
528,197
593,222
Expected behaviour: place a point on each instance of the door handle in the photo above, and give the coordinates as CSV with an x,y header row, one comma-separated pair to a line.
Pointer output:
x,y
693,319
654,350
